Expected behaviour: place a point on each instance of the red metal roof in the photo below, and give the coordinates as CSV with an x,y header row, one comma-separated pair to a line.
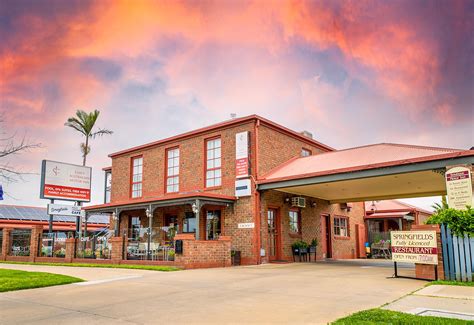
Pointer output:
x,y
391,205
359,158
224,124
162,198
384,215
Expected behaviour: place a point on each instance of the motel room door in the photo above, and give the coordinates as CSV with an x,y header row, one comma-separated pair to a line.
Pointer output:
x,y
274,238
326,235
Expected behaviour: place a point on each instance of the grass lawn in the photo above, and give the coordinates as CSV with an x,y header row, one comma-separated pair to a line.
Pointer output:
x,y
452,283
18,280
382,316
163,268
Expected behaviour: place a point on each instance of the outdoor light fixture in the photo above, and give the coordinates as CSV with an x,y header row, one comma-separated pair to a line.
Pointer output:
x,y
314,204
287,199
148,213
114,216
195,208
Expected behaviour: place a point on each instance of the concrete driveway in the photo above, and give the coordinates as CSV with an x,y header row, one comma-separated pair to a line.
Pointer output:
x,y
272,293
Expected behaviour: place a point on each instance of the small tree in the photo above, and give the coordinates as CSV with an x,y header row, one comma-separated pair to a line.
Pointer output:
x,y
9,147
84,123
459,221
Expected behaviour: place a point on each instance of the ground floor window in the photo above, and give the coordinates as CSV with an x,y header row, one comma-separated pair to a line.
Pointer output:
x,y
341,226
134,232
213,224
171,224
295,221
189,223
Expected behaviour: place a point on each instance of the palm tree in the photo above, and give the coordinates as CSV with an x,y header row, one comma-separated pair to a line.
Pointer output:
x,y
440,206
84,123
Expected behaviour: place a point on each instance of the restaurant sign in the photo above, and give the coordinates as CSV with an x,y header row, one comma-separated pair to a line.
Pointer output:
x,y
414,247
459,187
65,181
242,154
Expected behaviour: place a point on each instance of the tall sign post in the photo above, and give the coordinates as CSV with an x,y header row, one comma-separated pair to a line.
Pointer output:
x,y
67,182
459,187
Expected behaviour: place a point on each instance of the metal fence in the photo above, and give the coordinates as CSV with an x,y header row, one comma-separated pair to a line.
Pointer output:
x,y
143,243
20,242
53,245
95,245
458,256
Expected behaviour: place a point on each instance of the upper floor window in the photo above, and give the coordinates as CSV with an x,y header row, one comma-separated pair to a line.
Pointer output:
x,y
137,176
295,221
213,163
108,186
172,171
341,226
305,152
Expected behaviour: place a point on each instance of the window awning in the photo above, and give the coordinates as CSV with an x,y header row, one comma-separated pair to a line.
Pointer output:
x,y
164,201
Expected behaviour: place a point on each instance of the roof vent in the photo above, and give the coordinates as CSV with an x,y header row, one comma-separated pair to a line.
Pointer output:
x,y
233,116
307,134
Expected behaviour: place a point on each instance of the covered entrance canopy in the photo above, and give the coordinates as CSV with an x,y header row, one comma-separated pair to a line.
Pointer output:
x,y
373,172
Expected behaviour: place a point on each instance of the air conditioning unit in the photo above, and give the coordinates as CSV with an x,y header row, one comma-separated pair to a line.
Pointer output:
x,y
298,201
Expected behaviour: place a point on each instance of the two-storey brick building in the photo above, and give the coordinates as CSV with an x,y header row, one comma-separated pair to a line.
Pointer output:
x,y
203,183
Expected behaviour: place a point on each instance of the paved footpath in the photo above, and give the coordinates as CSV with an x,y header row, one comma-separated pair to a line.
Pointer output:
x,y
438,300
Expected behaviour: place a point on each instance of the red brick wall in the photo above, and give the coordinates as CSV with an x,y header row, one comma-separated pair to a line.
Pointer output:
x,y
311,225
204,253
275,148
192,155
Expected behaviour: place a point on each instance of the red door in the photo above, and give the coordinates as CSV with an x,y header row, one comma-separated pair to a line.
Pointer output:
x,y
326,236
274,243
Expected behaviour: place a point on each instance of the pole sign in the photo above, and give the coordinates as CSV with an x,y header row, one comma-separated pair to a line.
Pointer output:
x,y
242,154
459,187
64,210
65,181
414,247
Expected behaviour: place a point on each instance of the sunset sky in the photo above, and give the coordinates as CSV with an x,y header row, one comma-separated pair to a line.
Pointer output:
x,y
351,72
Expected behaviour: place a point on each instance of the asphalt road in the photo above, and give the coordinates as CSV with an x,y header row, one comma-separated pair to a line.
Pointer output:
x,y
299,293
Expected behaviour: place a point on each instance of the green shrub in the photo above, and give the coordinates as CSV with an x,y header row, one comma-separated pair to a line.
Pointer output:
x,y
300,244
459,221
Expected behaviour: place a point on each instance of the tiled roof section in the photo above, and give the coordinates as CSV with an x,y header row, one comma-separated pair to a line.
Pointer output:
x,y
15,212
220,125
359,158
385,205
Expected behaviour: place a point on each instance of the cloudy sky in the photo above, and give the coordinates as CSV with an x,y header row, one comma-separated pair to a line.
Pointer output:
x,y
351,72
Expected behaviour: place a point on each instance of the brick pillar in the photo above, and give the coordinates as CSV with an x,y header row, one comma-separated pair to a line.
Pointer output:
x,y
5,243
70,247
116,255
226,241
425,271
36,234
181,259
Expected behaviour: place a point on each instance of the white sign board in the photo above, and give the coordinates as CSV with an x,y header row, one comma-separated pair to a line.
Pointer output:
x,y
65,181
414,247
246,225
242,154
64,210
243,187
459,187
